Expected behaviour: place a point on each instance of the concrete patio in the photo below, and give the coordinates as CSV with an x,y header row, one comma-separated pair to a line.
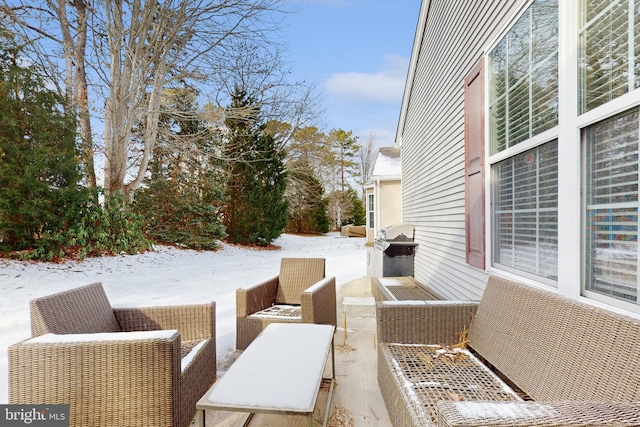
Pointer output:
x,y
357,401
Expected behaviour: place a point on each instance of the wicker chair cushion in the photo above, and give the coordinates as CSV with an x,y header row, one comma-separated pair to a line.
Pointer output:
x,y
77,311
296,275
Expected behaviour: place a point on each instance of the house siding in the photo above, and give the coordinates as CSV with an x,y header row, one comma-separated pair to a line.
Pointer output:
x,y
391,200
456,35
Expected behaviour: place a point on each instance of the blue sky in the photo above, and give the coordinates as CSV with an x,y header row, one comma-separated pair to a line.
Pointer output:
x,y
357,52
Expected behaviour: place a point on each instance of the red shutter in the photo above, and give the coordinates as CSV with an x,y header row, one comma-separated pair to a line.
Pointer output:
x,y
474,165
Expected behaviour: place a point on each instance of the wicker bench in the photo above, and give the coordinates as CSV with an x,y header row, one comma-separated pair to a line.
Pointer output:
x,y
403,288
570,363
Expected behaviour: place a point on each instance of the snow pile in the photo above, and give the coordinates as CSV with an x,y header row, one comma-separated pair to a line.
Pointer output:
x,y
165,277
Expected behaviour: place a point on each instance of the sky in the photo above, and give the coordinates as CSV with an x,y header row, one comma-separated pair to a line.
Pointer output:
x,y
357,52
168,276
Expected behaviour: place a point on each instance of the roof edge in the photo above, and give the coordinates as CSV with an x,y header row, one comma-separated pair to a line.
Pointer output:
x,y
415,53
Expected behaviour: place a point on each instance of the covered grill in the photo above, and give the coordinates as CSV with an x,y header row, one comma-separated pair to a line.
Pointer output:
x,y
397,248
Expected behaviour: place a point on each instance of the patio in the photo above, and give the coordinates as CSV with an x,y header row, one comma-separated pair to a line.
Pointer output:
x,y
357,400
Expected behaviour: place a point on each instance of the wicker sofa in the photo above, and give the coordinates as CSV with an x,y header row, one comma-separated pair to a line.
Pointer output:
x,y
115,366
571,364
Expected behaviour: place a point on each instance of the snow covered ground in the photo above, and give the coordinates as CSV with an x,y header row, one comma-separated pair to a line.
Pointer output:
x,y
167,276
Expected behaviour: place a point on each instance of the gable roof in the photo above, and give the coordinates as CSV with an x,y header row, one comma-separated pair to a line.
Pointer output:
x,y
388,163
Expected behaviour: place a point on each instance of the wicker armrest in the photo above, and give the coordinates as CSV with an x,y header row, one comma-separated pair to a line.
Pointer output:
x,y
461,414
423,322
257,297
319,302
103,380
195,321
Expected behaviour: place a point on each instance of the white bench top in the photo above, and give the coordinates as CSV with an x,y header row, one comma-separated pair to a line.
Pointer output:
x,y
280,371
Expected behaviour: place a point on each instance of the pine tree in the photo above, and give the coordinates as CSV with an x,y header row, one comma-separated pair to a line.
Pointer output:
x,y
39,171
358,213
307,206
182,198
256,210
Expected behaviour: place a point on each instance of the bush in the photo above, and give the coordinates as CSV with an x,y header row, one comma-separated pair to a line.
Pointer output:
x,y
181,216
97,230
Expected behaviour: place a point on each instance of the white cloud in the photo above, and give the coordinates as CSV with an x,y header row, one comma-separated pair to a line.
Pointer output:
x,y
383,87
381,136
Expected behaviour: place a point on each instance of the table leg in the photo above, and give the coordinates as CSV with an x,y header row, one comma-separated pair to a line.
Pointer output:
x,y
247,419
328,408
332,384
333,359
200,417
344,321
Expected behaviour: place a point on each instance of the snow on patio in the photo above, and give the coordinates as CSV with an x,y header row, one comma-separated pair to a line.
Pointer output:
x,y
165,277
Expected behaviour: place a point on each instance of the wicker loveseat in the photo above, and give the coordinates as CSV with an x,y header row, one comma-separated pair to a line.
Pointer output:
x,y
572,364
115,366
300,293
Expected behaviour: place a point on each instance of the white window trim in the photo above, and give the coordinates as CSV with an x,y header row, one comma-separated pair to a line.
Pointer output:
x,y
371,211
492,266
570,160
569,155
616,106
538,140
575,281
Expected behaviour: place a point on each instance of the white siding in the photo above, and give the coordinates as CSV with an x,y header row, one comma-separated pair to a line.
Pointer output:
x,y
456,35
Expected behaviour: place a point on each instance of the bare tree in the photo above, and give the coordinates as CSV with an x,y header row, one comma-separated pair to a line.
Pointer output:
x,y
138,49
366,158
263,73
219,44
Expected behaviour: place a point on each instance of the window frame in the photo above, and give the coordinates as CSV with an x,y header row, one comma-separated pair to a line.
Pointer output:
x,y
493,158
371,210
588,294
622,104
496,265
571,268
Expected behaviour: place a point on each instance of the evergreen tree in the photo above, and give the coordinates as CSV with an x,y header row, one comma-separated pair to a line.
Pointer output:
x,y
307,206
39,171
256,211
344,147
182,198
358,213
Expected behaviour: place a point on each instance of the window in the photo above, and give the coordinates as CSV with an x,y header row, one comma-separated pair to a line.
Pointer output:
x,y
609,67
609,47
523,78
371,211
525,195
611,207
523,103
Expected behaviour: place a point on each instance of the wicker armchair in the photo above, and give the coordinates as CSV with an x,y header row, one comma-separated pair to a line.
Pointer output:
x,y
115,367
299,294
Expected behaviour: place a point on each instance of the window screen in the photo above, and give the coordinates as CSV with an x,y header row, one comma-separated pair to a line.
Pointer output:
x,y
523,76
526,211
611,207
609,47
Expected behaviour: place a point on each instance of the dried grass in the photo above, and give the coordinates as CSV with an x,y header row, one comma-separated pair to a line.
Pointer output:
x,y
463,339
463,336
346,348
342,417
